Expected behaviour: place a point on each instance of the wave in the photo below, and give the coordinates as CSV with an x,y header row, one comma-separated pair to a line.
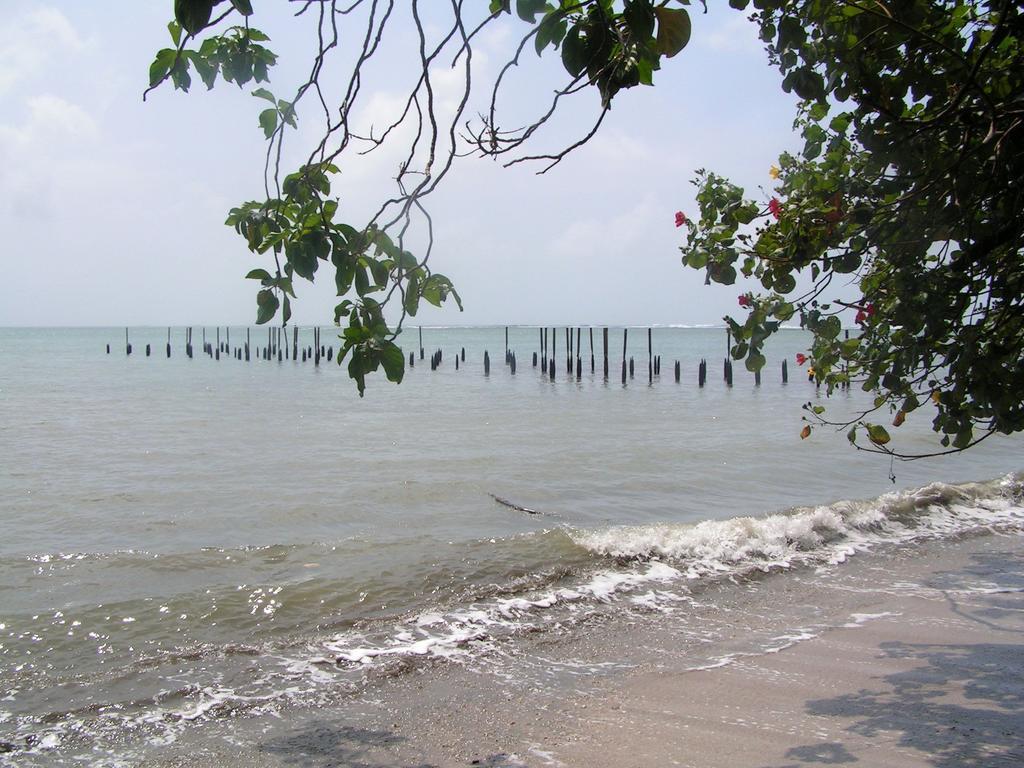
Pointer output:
x,y
672,560
588,574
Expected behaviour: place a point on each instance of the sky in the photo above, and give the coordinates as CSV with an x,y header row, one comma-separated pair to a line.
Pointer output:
x,y
113,208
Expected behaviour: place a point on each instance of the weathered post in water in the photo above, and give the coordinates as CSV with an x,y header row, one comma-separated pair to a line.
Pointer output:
x,y
508,359
568,350
591,350
650,357
147,350
785,372
421,342
625,336
605,334
487,364
168,342
554,351
127,344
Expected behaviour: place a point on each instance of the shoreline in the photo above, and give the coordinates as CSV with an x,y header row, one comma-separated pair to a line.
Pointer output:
x,y
913,656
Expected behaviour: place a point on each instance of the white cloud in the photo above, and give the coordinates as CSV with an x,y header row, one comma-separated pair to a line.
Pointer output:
x,y
735,35
29,40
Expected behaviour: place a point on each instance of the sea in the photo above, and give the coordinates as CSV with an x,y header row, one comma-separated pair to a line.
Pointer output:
x,y
186,542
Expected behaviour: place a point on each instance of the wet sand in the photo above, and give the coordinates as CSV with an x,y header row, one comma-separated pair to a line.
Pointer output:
x,y
907,657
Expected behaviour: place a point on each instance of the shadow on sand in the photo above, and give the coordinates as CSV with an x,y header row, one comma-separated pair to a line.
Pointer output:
x,y
324,745
960,706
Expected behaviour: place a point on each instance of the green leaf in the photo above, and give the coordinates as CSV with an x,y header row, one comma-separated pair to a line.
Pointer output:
x,y
673,30
393,360
528,9
268,121
175,29
263,93
244,7
287,309
574,54
755,362
877,434
258,274
266,306
161,65
193,15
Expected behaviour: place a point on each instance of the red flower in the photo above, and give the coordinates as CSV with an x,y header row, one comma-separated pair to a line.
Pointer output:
x,y
864,313
800,358
775,207
744,300
680,218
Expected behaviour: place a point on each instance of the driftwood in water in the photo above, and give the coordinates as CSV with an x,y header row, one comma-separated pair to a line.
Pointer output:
x,y
516,507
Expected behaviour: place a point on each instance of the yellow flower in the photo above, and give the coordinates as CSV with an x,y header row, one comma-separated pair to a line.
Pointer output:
x,y
774,172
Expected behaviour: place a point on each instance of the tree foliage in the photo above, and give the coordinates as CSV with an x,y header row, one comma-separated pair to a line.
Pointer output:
x,y
908,185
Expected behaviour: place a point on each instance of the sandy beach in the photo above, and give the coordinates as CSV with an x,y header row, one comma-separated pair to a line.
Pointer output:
x,y
913,658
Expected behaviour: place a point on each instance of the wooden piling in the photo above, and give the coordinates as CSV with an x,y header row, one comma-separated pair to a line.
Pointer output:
x,y
591,350
147,350
513,363
463,354
534,359
108,349
168,342
507,358
605,335
127,344
544,351
487,364
579,367
625,336
554,350
421,342
631,367
785,372
728,372
568,350
678,371
757,378
702,372
579,351
456,362
650,357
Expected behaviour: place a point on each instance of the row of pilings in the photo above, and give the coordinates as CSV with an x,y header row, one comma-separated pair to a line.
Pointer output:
x,y
276,346
577,350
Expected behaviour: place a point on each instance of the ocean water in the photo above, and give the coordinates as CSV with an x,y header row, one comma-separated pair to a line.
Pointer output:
x,y
185,541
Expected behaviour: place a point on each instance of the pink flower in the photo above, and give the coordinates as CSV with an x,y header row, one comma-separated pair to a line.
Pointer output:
x,y
744,300
680,218
775,207
864,313
800,358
